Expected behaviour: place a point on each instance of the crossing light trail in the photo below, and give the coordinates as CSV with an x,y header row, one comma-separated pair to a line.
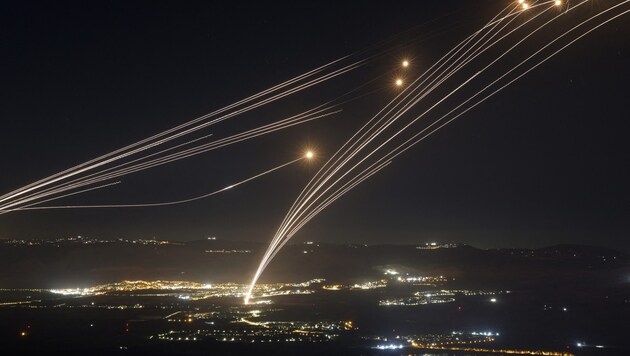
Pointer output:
x,y
341,191
103,160
317,76
161,158
467,67
139,165
307,156
354,140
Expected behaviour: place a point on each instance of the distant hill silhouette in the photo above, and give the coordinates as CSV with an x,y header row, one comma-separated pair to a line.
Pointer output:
x,y
74,264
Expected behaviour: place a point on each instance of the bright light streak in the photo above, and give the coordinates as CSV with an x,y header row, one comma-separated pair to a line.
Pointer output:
x,y
307,205
166,203
525,6
171,134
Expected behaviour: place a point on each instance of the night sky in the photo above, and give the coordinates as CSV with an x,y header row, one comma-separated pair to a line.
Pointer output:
x,y
544,162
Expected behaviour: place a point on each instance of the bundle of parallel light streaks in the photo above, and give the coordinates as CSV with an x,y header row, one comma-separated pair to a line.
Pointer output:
x,y
142,155
501,52
118,163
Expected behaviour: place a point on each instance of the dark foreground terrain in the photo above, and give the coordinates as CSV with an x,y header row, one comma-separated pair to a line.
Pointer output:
x,y
67,297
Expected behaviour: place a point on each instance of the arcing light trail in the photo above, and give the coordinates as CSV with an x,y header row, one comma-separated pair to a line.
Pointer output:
x,y
290,216
307,156
106,159
124,169
58,183
326,170
139,164
320,191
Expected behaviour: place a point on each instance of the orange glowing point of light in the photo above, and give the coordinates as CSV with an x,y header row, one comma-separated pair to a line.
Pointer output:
x,y
521,1
558,3
405,63
525,6
309,154
399,82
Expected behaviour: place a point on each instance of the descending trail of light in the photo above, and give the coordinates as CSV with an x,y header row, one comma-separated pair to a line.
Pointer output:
x,y
368,172
373,135
404,110
174,129
137,147
340,153
303,208
179,134
101,176
414,139
448,56
123,169
275,241
347,187
176,202
196,150
287,229
372,123
150,142
406,145
65,195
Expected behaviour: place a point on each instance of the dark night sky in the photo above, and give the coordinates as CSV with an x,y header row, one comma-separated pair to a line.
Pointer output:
x,y
544,162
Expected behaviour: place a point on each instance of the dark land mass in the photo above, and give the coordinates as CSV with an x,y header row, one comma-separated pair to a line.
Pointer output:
x,y
68,264
559,296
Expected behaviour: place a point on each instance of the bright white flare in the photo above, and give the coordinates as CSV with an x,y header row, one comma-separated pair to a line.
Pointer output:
x,y
309,154
399,82
405,63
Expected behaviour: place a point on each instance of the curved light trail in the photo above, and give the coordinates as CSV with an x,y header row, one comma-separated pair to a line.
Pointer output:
x,y
357,151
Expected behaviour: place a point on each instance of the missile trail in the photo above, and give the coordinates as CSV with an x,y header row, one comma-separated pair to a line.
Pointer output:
x,y
105,175
292,210
350,156
330,200
264,97
176,202
318,191
373,135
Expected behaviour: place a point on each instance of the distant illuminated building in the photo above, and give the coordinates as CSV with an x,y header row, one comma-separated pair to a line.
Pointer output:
x,y
435,245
